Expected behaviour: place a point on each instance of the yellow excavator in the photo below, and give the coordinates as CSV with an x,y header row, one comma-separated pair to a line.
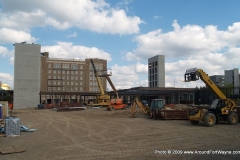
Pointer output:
x,y
222,108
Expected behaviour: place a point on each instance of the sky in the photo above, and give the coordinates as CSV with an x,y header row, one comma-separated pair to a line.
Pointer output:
x,y
202,33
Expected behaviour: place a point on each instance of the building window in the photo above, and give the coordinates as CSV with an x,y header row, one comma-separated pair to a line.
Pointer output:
x,y
63,77
71,83
59,88
59,72
65,66
49,88
76,88
49,82
54,82
74,66
54,71
49,77
156,63
72,72
59,82
81,66
63,88
76,78
54,88
49,71
80,88
81,78
63,83
72,77
80,83
76,83
57,65
59,77
67,72
81,72
76,72
54,77
67,77
49,65
67,83
63,72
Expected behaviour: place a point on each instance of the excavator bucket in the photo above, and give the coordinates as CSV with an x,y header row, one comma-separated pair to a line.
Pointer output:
x,y
191,75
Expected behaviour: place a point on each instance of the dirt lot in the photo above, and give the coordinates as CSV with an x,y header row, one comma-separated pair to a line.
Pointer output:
x,y
100,134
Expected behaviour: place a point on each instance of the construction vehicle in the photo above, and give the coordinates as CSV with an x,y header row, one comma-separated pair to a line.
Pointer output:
x,y
104,99
116,103
155,104
222,108
158,110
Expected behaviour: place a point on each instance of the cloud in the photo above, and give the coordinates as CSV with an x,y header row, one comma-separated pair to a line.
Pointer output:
x,y
97,16
68,50
184,41
15,36
123,77
7,79
74,34
4,52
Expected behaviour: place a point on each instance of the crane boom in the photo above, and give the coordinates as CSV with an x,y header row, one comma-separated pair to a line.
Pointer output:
x,y
193,74
98,78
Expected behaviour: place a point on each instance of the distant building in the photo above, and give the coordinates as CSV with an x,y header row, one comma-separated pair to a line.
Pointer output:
x,y
72,76
232,77
0,85
218,80
156,71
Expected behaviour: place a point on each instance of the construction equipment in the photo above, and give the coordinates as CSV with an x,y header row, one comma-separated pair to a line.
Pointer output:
x,y
158,110
116,103
103,99
221,108
155,104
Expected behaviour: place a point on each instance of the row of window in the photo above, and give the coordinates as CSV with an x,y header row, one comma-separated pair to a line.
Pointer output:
x,y
152,77
65,77
64,72
94,89
64,65
152,70
152,64
65,89
51,82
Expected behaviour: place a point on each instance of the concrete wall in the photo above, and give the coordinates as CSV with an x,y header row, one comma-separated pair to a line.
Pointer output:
x,y
232,77
26,75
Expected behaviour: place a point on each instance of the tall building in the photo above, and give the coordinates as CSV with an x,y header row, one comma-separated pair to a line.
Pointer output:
x,y
26,75
232,77
218,80
71,77
156,71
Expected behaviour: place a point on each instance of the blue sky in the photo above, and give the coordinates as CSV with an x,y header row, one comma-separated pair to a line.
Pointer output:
x,y
203,34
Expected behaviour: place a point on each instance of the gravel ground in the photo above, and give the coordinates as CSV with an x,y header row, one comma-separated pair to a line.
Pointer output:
x,y
101,134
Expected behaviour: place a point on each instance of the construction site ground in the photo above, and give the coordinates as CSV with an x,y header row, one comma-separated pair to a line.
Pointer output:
x,y
100,134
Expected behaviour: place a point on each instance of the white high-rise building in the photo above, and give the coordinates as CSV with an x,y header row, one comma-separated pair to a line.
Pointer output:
x,y
156,71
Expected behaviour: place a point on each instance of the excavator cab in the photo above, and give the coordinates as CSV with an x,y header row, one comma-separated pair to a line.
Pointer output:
x,y
156,104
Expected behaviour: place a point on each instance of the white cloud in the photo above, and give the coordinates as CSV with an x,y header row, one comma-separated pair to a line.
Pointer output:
x,y
97,16
74,34
68,50
7,79
4,52
123,77
15,36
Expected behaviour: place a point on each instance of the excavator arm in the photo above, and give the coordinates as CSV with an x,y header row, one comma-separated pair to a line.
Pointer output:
x,y
145,109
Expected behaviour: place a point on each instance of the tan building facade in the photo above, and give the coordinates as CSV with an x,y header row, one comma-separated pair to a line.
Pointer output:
x,y
68,79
